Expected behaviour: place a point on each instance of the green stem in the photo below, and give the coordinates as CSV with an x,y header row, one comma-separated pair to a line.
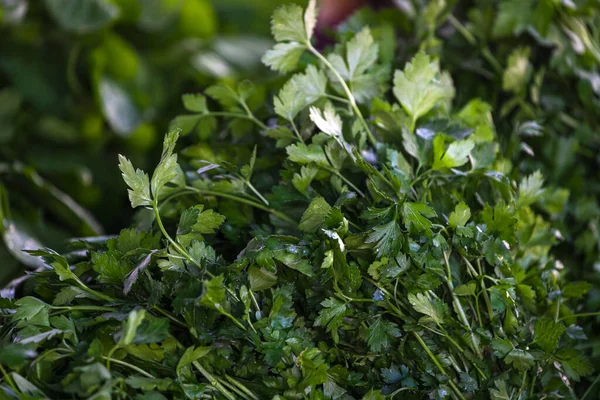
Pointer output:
x,y
249,117
213,381
8,379
241,387
131,366
349,94
256,192
459,308
337,98
233,388
438,365
81,308
485,51
346,180
486,297
296,131
589,389
590,314
169,316
242,200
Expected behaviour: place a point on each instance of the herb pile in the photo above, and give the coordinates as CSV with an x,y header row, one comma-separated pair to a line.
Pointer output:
x,y
359,236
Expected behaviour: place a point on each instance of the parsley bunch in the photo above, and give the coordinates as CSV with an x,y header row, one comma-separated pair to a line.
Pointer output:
x,y
358,239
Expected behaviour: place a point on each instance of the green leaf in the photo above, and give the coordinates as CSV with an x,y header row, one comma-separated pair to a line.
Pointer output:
x,y
501,347
456,155
167,167
152,331
208,222
520,359
287,23
294,261
190,355
414,217
130,326
435,309
299,92
332,315
546,333
260,278
214,293
501,393
530,189
138,182
225,95
418,88
327,121
576,290
31,309
109,269
314,216
381,333
284,57
460,215
518,72
388,238
195,103
468,289
574,363
302,180
83,16
359,67
303,154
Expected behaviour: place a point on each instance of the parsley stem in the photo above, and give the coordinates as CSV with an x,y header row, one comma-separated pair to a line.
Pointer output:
x,y
438,365
249,117
589,389
590,314
242,200
9,379
257,193
459,308
243,388
349,94
128,365
169,316
337,98
296,131
213,381
346,180
231,387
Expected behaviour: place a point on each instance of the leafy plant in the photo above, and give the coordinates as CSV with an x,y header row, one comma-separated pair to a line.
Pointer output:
x,y
363,239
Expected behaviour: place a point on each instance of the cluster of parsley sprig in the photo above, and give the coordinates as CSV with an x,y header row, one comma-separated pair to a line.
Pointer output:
x,y
369,246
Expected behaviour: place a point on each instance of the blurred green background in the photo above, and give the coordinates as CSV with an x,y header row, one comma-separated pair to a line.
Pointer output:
x,y
84,80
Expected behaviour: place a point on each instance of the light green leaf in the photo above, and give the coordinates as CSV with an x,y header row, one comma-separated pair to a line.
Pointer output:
x,y
433,308
167,167
456,155
138,182
283,57
300,91
208,222
134,320
190,355
327,120
518,72
195,103
530,189
302,180
303,154
314,216
460,215
287,23
418,88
